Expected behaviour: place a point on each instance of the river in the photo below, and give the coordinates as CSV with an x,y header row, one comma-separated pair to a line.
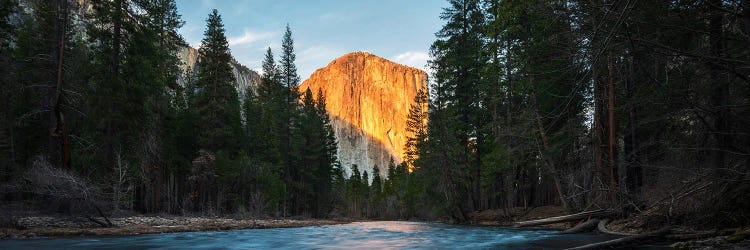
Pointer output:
x,y
359,235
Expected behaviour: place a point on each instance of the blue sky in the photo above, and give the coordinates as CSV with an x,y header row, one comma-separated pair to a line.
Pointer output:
x,y
399,30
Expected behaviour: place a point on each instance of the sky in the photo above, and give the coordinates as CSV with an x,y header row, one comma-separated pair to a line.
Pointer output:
x,y
398,30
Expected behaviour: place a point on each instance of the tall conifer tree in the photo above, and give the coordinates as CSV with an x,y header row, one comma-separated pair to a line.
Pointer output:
x,y
217,103
290,139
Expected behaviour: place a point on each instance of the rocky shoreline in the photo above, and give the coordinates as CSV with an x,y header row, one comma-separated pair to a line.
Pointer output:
x,y
41,226
682,237
56,226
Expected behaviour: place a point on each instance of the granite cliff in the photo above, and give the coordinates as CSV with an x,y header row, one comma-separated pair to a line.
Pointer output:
x,y
189,56
368,99
245,77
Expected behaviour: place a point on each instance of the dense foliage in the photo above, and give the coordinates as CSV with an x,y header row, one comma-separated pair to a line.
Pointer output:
x,y
628,105
104,100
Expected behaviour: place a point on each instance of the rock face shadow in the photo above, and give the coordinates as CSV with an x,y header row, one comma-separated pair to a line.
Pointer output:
x,y
355,146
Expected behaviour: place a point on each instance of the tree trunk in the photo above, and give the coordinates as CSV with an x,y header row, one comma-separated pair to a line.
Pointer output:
x,y
115,76
544,155
634,171
611,120
585,226
598,130
719,95
564,218
511,198
57,148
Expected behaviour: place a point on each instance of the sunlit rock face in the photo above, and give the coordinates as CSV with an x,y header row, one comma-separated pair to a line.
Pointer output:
x,y
245,77
368,99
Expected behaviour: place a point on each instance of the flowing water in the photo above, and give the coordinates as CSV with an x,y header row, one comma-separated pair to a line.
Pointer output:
x,y
359,235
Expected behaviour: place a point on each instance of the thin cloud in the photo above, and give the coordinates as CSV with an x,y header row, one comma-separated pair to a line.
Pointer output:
x,y
274,47
249,37
412,58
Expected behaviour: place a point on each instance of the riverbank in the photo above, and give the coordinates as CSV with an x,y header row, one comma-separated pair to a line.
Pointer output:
x,y
498,217
39,226
358,235
680,237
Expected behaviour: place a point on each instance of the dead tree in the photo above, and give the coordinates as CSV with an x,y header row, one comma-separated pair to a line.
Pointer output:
x,y
585,226
54,185
564,218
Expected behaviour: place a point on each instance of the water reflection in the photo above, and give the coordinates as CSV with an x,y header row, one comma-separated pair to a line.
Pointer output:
x,y
398,227
360,235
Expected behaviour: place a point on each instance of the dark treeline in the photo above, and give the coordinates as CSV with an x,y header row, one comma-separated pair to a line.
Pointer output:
x,y
628,105
97,117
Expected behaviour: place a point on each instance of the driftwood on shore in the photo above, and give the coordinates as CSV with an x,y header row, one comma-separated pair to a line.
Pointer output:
x,y
564,218
583,226
626,241
602,227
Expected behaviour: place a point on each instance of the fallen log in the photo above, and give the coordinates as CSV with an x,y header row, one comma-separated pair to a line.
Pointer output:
x,y
626,241
583,226
564,218
602,227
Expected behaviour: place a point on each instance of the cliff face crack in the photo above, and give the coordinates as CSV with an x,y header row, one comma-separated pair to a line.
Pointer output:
x,y
388,135
368,98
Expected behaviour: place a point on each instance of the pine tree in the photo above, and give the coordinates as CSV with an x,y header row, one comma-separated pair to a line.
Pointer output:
x,y
33,49
272,102
547,75
458,59
416,127
269,81
389,188
354,191
331,145
110,32
152,67
217,103
311,154
289,76
377,181
364,193
376,193
252,110
289,137
365,185
270,121
327,161
217,108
